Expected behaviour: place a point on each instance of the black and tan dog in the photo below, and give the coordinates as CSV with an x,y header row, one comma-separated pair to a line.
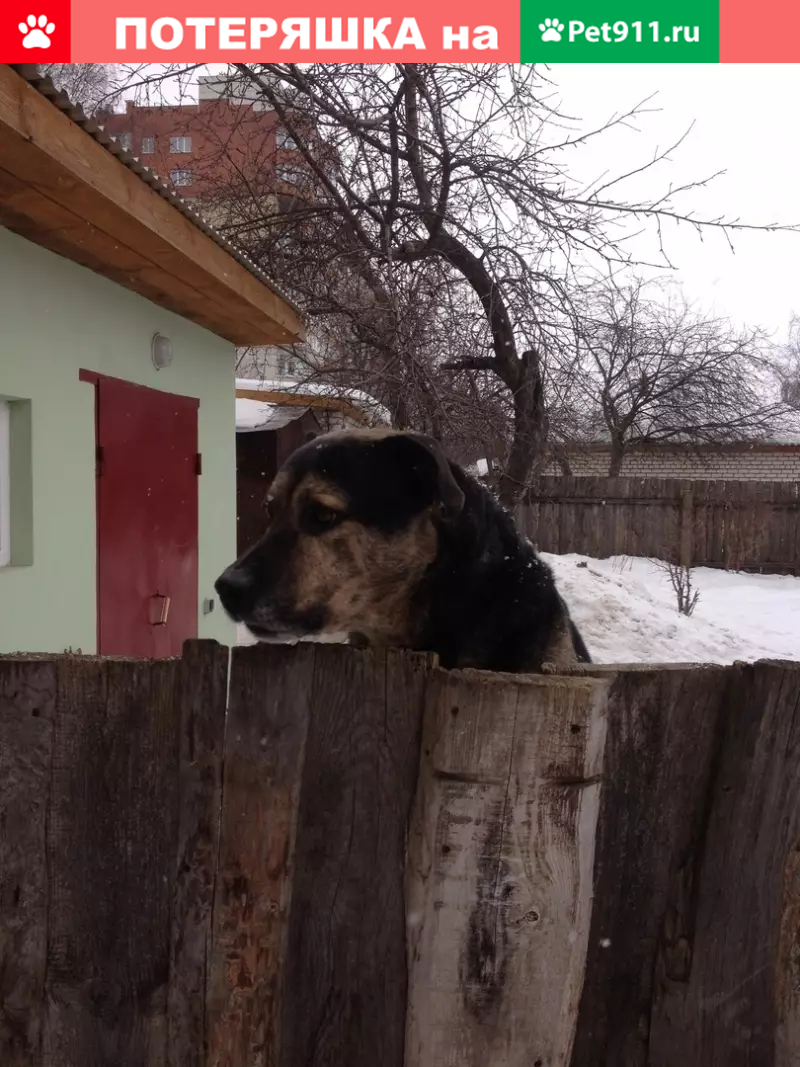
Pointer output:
x,y
376,534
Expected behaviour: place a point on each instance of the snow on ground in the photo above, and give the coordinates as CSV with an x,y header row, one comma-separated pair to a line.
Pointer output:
x,y
626,610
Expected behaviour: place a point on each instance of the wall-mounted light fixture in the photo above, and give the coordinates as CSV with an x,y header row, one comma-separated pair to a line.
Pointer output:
x,y
161,351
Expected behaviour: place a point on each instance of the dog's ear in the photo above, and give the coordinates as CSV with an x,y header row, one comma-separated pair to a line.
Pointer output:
x,y
426,472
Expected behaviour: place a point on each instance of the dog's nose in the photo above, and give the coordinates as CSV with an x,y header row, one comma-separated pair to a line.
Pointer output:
x,y
235,589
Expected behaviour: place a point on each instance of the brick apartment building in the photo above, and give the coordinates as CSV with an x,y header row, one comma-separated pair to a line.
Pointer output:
x,y
224,153
229,141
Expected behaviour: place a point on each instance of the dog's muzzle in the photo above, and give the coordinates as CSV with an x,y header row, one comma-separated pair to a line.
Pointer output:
x,y
236,591
244,601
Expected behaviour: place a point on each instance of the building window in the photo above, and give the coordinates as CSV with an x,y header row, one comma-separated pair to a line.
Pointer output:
x,y
181,177
287,366
291,173
125,141
283,139
148,146
180,144
5,484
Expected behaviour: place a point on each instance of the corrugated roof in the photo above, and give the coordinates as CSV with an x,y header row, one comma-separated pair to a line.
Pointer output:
x,y
30,72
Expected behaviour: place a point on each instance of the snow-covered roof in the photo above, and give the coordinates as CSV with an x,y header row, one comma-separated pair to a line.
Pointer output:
x,y
375,412
256,415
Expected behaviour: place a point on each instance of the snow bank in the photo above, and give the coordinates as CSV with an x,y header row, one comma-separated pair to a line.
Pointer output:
x,y
625,609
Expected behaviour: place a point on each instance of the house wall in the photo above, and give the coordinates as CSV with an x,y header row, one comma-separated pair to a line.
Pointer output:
x,y
781,464
58,318
269,363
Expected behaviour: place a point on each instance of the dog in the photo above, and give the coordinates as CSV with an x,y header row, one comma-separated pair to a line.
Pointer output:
x,y
376,534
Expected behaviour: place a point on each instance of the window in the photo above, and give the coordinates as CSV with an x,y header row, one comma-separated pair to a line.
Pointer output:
x,y
180,144
5,485
181,177
125,141
287,366
148,146
290,172
283,139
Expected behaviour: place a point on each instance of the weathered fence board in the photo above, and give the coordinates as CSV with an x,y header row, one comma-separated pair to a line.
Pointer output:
x,y
663,741
266,731
500,869
105,908
110,845
372,862
731,524
345,967
27,707
694,953
204,684
729,967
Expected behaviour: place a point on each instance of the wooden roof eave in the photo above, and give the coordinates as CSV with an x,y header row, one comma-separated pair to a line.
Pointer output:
x,y
324,403
62,189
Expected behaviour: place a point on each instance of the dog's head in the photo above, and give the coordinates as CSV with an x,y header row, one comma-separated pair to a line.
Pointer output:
x,y
353,524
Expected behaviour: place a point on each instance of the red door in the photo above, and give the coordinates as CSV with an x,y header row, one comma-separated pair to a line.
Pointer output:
x,y
146,520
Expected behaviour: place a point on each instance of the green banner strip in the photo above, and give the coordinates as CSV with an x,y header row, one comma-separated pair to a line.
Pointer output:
x,y
620,31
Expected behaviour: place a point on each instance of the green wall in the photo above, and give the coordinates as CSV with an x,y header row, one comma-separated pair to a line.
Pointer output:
x,y
57,318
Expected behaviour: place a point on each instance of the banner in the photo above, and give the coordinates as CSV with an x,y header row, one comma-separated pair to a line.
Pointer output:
x,y
457,31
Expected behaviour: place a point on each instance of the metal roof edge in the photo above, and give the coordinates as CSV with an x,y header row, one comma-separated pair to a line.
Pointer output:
x,y
45,87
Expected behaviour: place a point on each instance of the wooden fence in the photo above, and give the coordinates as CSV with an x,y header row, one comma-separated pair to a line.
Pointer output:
x,y
372,862
736,525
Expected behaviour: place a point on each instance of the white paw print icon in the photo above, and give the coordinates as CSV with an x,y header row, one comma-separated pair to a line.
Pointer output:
x,y
551,29
36,36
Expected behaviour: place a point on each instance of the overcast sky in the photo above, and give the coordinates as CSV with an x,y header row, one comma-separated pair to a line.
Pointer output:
x,y
745,122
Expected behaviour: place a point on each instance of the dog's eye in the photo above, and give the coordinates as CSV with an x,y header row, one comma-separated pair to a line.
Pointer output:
x,y
318,517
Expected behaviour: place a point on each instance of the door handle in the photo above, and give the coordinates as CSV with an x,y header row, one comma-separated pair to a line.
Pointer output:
x,y
159,610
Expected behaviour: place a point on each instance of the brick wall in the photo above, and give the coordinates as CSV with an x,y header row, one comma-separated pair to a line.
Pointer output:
x,y
226,141
780,464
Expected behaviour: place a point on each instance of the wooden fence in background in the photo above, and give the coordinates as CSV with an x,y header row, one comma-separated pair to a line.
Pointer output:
x,y
371,862
737,525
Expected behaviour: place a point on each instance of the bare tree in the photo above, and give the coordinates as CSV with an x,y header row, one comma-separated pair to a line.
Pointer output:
x,y
647,368
89,84
397,349
388,332
682,581
788,366
452,177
